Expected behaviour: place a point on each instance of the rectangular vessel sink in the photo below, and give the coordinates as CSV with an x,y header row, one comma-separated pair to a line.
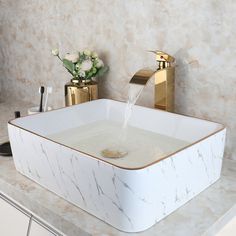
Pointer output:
x,y
171,158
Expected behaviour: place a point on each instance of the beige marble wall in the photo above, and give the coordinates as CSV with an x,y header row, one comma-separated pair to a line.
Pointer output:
x,y
199,33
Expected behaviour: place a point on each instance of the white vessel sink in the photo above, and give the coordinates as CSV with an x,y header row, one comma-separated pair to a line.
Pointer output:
x,y
171,158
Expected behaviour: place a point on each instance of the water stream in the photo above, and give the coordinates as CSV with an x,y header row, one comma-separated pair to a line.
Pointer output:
x,y
118,149
135,91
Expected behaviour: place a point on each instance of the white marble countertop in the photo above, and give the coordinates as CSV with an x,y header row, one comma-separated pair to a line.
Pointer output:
x,y
200,216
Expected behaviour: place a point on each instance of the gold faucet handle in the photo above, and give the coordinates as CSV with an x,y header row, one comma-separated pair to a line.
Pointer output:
x,y
162,56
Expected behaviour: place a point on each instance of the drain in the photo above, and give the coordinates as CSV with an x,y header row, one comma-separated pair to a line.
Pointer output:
x,y
109,153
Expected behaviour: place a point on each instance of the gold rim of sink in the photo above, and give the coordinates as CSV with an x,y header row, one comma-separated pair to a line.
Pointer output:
x,y
107,162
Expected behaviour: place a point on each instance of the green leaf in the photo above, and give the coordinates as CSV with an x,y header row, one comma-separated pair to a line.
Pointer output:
x,y
69,65
70,72
102,70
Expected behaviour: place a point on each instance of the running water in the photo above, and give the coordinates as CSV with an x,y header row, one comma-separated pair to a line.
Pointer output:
x,y
119,149
135,91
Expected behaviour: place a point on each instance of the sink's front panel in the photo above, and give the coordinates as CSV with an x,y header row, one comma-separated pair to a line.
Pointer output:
x,y
130,200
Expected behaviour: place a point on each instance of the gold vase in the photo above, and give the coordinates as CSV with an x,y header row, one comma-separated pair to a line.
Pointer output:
x,y
77,91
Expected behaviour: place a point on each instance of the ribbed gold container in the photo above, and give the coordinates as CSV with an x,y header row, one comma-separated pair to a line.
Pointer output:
x,y
77,92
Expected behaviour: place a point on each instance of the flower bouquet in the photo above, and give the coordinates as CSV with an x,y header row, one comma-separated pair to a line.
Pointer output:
x,y
84,67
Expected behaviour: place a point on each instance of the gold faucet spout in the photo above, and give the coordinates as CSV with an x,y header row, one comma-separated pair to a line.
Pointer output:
x,y
163,80
142,76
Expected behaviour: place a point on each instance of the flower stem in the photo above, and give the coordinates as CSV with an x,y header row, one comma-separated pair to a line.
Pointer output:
x,y
59,57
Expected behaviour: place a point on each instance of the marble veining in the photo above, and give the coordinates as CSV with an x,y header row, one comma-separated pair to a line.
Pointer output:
x,y
129,200
200,215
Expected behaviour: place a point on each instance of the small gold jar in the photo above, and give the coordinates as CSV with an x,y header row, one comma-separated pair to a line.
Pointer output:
x,y
79,91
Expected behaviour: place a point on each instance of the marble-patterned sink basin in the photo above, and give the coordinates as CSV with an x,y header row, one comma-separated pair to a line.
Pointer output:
x,y
171,159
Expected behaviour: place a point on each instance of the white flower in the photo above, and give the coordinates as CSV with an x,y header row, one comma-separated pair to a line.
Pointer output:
x,y
94,55
87,52
86,65
99,63
82,74
55,52
72,57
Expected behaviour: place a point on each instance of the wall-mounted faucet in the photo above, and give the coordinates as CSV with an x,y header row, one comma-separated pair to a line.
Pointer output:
x,y
164,80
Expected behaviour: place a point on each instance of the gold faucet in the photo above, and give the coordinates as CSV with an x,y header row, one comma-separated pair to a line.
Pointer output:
x,y
164,80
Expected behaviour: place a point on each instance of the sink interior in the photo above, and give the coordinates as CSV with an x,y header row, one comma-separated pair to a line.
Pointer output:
x,y
151,134
143,147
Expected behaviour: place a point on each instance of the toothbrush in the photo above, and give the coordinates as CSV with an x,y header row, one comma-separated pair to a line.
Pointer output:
x,y
41,91
49,91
